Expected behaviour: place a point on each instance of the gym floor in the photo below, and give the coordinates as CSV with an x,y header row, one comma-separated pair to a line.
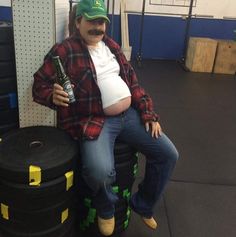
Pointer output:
x,y
198,113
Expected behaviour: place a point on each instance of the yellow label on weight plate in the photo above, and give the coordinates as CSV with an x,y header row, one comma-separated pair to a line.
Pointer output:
x,y
64,215
34,175
69,179
4,211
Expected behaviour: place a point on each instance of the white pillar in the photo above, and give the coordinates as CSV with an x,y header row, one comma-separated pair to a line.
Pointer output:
x,y
38,25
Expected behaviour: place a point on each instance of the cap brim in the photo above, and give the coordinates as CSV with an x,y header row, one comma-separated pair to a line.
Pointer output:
x,y
93,17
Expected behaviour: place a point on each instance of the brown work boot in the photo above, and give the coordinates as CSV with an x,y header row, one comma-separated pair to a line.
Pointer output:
x,y
106,226
150,222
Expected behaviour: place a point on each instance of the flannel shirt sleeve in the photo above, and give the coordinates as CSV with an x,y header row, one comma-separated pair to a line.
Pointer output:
x,y
45,77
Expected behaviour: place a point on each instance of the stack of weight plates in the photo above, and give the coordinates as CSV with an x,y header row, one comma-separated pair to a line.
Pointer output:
x,y
126,169
36,183
8,91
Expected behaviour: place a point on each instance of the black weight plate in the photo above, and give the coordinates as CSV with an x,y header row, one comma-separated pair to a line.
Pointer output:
x,y
8,117
59,231
121,158
124,186
49,148
7,69
30,203
124,190
121,209
8,101
82,192
131,161
8,85
125,171
121,227
32,193
121,204
6,32
8,128
121,148
37,221
121,220
7,52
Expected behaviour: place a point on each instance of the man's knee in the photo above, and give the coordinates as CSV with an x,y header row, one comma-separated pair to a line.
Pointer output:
x,y
174,155
171,156
170,152
97,176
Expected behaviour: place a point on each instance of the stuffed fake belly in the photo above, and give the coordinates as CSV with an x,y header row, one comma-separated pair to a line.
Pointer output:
x,y
116,96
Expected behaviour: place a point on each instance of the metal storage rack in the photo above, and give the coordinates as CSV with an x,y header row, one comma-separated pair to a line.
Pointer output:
x,y
190,5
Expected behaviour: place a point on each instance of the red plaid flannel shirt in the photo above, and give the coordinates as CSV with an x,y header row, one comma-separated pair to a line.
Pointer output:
x,y
85,118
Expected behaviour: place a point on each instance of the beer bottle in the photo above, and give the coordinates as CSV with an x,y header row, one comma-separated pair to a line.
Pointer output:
x,y
63,79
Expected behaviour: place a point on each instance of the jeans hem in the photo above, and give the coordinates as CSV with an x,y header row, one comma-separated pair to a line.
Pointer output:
x,y
143,214
105,217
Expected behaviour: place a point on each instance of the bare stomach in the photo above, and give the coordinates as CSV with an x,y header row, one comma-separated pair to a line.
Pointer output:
x,y
118,107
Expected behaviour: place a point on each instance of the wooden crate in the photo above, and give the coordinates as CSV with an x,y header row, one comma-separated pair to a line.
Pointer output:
x,y
201,54
225,61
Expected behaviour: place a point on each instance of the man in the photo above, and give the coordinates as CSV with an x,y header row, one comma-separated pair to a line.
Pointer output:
x,y
109,104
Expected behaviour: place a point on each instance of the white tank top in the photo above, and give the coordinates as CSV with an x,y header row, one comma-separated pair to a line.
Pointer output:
x,y
111,85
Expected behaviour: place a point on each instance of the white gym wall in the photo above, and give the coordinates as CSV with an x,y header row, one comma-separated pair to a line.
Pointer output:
x,y
216,8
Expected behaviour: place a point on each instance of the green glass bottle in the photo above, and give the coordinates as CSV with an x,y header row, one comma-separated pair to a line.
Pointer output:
x,y
63,79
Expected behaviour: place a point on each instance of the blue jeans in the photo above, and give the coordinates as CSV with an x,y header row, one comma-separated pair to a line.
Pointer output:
x,y
98,168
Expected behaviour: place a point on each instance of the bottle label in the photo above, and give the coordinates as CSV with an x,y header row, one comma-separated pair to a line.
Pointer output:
x,y
68,89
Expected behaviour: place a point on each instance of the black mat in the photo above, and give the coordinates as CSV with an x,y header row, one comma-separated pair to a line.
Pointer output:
x,y
198,113
201,210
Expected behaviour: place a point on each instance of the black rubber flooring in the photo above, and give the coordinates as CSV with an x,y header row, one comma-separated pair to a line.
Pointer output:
x,y
198,113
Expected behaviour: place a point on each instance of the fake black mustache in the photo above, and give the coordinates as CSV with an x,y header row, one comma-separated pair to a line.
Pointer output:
x,y
96,32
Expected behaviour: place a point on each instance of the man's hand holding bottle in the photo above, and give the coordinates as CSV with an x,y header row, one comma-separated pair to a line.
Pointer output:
x,y
59,96
62,94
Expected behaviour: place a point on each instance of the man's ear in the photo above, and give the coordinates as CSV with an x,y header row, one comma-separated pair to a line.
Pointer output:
x,y
77,22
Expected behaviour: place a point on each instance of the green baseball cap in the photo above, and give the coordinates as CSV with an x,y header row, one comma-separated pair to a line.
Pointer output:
x,y
92,9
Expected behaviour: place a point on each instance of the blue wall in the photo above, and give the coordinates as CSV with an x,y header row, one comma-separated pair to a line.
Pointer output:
x,y
218,29
5,14
163,37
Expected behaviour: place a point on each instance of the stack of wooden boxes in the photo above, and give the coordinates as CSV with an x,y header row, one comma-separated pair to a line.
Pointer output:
x,y
210,55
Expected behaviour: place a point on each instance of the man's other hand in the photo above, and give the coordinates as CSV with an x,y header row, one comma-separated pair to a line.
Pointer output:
x,y
155,128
